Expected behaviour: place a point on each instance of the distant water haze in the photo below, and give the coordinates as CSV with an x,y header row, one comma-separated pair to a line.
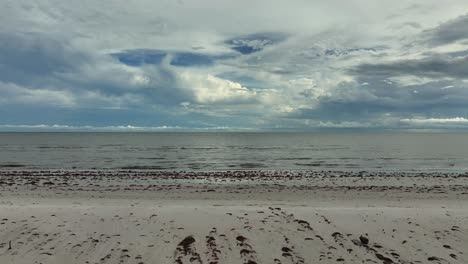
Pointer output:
x,y
444,152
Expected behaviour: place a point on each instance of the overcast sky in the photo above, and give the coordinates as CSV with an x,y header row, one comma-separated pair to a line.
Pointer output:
x,y
233,65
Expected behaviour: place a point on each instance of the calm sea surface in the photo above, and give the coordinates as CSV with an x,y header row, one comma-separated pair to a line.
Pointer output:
x,y
236,151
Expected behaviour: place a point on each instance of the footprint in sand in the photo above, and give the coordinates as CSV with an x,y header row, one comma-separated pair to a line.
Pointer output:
x,y
186,252
291,256
213,253
248,255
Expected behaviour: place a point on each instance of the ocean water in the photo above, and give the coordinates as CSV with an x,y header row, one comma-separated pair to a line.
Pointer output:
x,y
236,151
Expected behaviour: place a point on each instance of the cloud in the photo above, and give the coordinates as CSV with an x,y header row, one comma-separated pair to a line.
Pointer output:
x,y
127,128
121,128
434,66
211,89
440,123
14,94
448,32
217,64
29,56
453,120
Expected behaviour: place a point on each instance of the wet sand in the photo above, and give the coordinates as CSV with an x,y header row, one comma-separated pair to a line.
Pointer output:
x,y
232,217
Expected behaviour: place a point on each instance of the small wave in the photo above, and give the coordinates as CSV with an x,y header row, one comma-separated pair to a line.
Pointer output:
x,y
60,147
351,166
199,148
333,148
12,166
253,148
315,164
136,167
299,158
247,165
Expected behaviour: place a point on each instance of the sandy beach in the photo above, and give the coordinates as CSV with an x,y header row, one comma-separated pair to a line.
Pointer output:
x,y
232,217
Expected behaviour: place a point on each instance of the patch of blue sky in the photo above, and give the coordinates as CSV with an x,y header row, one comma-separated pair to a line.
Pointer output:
x,y
255,42
182,59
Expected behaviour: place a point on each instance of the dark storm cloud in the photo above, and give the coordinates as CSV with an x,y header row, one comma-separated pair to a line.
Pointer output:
x,y
437,66
27,56
449,32
378,100
442,94
35,66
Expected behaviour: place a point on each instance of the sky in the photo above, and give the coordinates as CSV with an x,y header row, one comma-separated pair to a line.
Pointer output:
x,y
210,65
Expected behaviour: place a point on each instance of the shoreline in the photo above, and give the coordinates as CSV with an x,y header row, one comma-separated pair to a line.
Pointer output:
x,y
236,217
157,170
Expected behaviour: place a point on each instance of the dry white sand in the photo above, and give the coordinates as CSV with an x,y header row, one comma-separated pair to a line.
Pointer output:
x,y
135,218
